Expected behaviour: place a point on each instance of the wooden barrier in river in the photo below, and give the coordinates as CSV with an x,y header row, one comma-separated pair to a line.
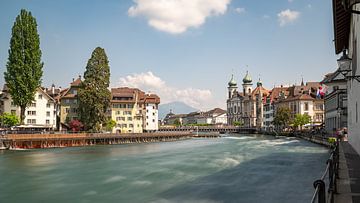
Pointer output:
x,y
31,141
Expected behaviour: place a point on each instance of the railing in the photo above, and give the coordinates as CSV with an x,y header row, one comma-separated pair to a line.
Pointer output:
x,y
331,171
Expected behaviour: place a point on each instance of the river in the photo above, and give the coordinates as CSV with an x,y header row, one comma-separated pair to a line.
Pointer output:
x,y
236,168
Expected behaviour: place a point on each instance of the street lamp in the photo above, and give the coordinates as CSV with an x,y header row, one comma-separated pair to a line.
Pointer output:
x,y
348,4
344,63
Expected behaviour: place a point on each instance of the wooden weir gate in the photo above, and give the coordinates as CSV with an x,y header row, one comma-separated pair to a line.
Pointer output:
x,y
31,141
220,129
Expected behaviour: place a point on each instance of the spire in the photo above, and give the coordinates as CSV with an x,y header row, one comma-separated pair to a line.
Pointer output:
x,y
232,82
247,79
302,81
259,83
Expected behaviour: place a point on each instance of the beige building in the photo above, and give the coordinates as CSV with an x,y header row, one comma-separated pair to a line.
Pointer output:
x,y
69,103
133,110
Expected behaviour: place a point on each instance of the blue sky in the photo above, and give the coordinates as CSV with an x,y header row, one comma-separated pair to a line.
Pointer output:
x,y
183,51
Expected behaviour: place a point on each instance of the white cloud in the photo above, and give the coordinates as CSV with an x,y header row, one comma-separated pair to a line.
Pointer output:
x,y
287,16
240,10
176,16
198,98
290,1
309,6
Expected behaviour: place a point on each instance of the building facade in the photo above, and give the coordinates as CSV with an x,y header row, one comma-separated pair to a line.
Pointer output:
x,y
69,104
246,107
134,111
40,114
335,102
347,37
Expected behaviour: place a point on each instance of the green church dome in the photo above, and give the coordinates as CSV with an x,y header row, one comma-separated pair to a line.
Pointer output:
x,y
232,82
247,79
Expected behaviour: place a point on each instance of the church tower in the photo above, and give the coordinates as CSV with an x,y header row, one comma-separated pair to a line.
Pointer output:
x,y
247,84
232,87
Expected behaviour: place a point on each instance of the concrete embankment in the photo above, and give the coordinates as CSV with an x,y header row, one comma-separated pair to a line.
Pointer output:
x,y
31,141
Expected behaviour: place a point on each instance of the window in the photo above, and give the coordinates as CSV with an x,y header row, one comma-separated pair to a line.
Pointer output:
x,y
40,96
47,105
33,105
130,106
48,113
13,112
75,101
67,110
129,118
73,110
74,92
124,125
306,106
47,122
120,118
147,117
147,123
67,101
31,113
31,121
153,120
153,114
131,125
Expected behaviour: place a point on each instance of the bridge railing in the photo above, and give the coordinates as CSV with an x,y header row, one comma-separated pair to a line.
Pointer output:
x,y
325,189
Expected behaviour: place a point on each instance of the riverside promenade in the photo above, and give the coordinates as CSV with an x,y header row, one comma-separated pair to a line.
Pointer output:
x,y
31,141
348,184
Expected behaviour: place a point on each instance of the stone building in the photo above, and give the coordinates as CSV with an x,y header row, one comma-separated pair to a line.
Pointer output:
x,y
246,107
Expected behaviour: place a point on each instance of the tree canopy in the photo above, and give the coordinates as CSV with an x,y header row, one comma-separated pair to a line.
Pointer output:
x,y
282,117
94,96
300,120
9,120
24,67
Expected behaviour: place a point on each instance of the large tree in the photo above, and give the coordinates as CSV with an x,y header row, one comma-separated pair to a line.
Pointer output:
x,y
282,117
94,96
300,120
24,67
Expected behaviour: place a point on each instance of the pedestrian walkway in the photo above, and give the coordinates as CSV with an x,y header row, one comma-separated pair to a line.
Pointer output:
x,y
348,184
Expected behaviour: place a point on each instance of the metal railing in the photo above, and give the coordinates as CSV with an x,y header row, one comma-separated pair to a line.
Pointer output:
x,y
331,172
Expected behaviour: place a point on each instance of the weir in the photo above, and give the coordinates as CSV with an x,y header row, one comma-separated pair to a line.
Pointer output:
x,y
31,141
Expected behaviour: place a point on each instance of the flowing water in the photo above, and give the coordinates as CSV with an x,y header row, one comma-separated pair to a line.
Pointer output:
x,y
236,168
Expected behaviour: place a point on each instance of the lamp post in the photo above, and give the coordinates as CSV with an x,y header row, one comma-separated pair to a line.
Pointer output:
x,y
348,4
344,63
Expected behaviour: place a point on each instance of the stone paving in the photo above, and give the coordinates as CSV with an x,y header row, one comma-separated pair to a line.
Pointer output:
x,y
348,184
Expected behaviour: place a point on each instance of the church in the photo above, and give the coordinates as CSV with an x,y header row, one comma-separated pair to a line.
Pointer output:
x,y
246,107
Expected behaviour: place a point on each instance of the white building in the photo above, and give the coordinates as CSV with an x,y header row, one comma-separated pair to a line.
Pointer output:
x,y
347,36
40,114
151,116
216,116
335,102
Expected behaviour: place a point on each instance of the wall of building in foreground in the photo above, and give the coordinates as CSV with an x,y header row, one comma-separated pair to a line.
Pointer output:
x,y
354,85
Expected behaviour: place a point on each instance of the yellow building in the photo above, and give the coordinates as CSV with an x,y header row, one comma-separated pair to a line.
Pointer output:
x,y
126,110
69,103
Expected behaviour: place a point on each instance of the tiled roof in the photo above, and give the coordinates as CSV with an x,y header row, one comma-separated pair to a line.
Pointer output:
x,y
76,82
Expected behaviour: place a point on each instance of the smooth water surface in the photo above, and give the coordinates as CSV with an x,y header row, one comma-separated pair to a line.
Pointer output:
x,y
237,168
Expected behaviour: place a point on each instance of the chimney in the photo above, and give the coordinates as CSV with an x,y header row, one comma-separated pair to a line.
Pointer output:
x,y
73,79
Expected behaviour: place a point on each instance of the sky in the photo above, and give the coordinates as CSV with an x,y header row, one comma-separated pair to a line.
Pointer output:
x,y
182,50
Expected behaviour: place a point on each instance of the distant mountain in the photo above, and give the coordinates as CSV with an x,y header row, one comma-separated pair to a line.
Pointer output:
x,y
176,107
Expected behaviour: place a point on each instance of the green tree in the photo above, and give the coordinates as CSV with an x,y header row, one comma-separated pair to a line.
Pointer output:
x,y
237,123
9,120
177,122
282,117
300,120
110,124
24,67
94,96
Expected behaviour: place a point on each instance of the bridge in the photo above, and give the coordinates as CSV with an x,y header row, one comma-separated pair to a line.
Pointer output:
x,y
220,129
